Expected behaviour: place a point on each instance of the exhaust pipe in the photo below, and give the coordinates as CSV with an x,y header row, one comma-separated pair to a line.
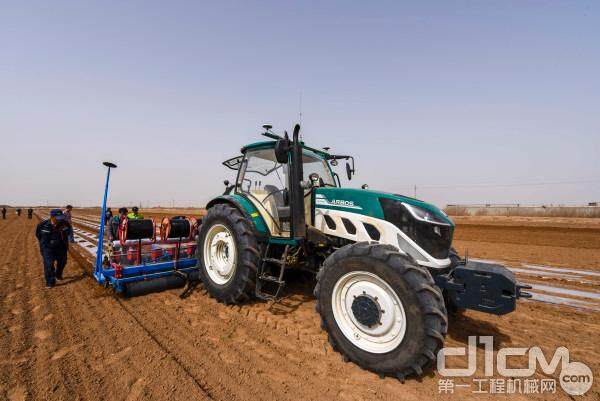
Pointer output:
x,y
297,191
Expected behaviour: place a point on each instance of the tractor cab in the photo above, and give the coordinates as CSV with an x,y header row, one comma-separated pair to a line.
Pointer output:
x,y
265,178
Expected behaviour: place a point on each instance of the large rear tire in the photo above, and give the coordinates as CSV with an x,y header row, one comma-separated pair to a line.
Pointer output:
x,y
227,254
380,309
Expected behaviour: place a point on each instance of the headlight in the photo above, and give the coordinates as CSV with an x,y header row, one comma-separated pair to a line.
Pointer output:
x,y
424,215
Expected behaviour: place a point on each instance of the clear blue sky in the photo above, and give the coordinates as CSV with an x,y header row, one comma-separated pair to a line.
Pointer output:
x,y
451,96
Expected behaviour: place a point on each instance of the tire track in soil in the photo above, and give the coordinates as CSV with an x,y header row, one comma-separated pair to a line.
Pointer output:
x,y
200,383
17,340
231,364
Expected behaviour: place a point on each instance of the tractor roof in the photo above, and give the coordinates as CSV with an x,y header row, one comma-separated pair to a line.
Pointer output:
x,y
258,145
271,144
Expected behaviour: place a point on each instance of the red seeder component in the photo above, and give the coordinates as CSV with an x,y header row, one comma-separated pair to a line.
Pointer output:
x,y
118,271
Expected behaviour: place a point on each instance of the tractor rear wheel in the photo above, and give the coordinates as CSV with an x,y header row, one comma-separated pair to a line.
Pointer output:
x,y
227,255
380,309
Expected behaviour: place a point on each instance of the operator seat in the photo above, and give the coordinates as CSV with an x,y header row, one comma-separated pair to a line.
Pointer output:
x,y
283,211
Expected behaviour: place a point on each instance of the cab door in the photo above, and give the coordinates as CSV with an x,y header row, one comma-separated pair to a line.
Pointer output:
x,y
265,182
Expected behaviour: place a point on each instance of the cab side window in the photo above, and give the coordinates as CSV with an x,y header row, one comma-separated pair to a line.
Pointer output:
x,y
265,182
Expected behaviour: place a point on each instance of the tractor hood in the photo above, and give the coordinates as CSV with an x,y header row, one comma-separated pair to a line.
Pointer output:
x,y
424,224
372,203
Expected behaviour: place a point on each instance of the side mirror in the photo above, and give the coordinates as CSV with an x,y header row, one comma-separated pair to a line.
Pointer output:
x,y
349,171
226,182
364,186
282,147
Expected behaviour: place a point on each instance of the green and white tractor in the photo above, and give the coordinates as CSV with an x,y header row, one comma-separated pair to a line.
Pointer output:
x,y
387,274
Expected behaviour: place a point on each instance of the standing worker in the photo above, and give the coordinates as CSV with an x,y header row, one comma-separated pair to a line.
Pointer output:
x,y
114,224
53,235
134,215
19,211
67,214
29,213
108,216
3,213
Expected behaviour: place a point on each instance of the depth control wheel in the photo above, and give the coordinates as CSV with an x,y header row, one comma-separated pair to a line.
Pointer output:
x,y
227,255
380,309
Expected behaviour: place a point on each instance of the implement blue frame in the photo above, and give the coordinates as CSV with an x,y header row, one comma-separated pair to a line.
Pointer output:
x,y
151,271
130,274
99,252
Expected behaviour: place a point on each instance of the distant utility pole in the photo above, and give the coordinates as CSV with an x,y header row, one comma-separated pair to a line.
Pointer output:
x,y
415,192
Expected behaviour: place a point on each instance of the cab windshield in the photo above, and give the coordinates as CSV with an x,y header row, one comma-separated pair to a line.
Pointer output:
x,y
313,163
260,169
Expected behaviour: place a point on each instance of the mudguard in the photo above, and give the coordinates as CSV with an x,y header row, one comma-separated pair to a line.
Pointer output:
x,y
246,208
484,287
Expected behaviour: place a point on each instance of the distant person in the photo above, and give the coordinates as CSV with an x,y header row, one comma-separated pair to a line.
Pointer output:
x,y
108,216
134,215
114,224
19,212
30,213
3,213
68,217
53,235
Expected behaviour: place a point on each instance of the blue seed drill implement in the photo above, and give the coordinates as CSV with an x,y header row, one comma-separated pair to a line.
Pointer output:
x,y
137,261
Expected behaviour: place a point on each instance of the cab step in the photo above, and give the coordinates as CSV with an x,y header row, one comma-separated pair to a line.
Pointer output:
x,y
272,279
269,287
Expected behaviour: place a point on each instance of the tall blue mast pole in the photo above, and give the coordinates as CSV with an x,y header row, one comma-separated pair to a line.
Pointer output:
x,y
99,251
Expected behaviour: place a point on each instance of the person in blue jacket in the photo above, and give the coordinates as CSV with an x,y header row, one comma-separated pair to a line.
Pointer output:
x,y
53,235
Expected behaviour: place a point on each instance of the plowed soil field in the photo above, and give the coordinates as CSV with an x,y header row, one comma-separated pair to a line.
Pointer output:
x,y
78,341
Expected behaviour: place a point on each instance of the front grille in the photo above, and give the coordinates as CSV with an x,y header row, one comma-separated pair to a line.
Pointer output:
x,y
435,239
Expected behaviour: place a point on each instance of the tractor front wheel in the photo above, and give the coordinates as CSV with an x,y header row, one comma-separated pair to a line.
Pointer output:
x,y
380,309
227,255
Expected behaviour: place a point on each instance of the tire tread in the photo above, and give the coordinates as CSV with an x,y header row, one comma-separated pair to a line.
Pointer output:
x,y
419,279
